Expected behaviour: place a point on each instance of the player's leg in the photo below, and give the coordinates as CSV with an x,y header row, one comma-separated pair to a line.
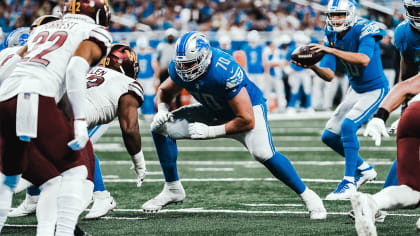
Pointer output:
x,y
53,145
307,89
391,179
28,206
148,107
260,144
280,94
12,152
294,83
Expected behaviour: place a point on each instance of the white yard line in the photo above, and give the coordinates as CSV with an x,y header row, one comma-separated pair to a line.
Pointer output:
x,y
376,162
213,169
118,147
229,180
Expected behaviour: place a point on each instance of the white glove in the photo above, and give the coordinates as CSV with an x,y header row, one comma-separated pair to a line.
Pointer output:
x,y
202,131
376,128
394,126
161,117
81,136
139,167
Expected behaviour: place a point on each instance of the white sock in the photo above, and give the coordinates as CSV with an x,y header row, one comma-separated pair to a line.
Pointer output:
x,y
46,209
363,166
70,200
87,193
6,195
396,197
173,184
349,178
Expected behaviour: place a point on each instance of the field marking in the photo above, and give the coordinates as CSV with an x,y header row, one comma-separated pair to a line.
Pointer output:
x,y
230,180
213,169
118,147
267,205
248,163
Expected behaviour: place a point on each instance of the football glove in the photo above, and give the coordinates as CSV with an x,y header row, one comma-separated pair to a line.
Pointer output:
x,y
394,126
202,131
161,117
376,129
81,135
139,167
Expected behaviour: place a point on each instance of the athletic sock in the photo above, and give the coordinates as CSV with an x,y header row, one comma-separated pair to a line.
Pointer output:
x,y
97,177
46,209
167,152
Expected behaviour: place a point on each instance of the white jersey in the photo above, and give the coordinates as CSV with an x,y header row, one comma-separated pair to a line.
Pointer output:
x,y
50,46
6,54
105,87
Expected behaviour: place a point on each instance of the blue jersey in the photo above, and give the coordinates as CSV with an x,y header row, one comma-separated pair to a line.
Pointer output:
x,y
254,59
364,37
145,64
221,82
407,41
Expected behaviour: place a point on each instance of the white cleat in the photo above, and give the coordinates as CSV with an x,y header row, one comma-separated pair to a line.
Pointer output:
x,y
363,176
27,207
103,203
379,216
365,209
314,205
171,193
344,191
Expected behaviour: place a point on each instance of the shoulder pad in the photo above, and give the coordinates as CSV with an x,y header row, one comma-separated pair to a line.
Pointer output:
x,y
136,90
102,38
235,79
370,28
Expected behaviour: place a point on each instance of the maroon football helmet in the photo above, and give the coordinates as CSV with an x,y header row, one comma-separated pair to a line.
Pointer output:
x,y
43,20
122,59
98,10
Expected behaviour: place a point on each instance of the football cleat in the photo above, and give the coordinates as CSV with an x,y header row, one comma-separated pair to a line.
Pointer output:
x,y
365,209
314,205
79,232
379,216
344,191
363,176
27,207
103,203
170,194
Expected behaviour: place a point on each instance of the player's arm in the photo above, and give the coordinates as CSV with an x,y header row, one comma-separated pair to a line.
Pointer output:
x,y
127,116
361,57
326,68
167,91
242,107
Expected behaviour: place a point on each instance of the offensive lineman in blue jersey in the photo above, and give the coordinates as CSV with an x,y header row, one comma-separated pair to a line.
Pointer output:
x,y
231,106
355,42
401,192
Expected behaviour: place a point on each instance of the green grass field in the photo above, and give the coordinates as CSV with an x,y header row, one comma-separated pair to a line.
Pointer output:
x,y
228,193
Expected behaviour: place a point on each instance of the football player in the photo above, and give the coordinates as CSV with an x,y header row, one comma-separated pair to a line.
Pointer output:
x,y
254,63
109,95
58,55
230,106
402,191
355,42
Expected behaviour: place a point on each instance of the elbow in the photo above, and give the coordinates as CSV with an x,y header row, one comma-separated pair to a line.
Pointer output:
x,y
248,124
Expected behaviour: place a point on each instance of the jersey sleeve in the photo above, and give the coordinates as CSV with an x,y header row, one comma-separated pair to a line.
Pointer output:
x,y
234,81
399,39
102,38
366,46
371,29
328,61
135,89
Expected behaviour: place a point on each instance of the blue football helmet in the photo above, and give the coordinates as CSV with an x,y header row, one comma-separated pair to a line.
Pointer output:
x,y
412,8
17,37
341,7
193,55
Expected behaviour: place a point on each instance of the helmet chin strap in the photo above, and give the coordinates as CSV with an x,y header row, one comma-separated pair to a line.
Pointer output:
x,y
122,70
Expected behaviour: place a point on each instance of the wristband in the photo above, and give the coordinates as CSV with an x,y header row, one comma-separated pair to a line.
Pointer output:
x,y
382,113
216,131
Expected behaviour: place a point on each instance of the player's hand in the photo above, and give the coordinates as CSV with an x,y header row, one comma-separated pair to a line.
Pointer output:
x,y
139,167
394,126
161,117
200,131
375,129
321,48
81,136
301,65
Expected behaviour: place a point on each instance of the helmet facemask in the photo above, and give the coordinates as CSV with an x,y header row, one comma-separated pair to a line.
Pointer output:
x,y
347,10
413,13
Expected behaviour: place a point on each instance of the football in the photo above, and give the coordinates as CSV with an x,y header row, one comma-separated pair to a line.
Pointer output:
x,y
305,56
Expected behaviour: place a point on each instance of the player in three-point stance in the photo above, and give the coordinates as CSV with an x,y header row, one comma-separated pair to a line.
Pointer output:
x,y
230,106
355,42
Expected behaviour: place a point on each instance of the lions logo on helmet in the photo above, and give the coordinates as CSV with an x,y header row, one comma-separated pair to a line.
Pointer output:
x,y
338,8
17,37
193,56
412,8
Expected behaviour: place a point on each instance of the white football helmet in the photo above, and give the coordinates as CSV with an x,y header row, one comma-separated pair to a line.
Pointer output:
x,y
193,55
412,11
340,7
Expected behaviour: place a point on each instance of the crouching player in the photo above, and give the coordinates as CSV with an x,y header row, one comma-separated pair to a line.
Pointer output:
x,y
231,106
112,92
406,170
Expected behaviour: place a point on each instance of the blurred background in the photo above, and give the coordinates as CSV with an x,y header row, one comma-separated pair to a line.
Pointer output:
x,y
260,34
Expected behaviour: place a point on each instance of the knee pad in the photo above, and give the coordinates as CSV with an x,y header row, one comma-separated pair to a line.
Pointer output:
x,y
348,134
79,172
178,129
53,181
261,154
